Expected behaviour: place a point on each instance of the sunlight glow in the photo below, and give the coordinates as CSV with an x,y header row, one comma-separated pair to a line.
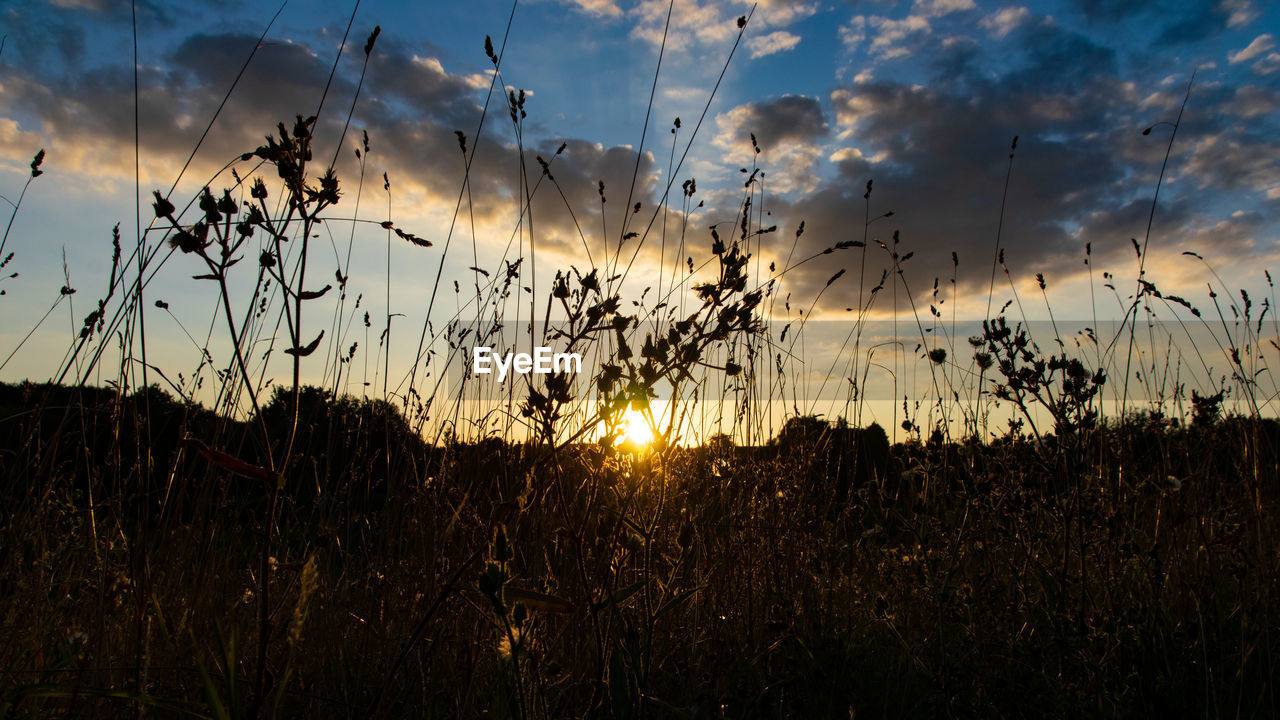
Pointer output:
x,y
634,429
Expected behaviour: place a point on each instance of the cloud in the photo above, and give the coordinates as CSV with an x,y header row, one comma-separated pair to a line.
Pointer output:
x,y
1233,239
1239,12
1180,23
88,116
1235,159
411,106
1260,45
1005,20
684,93
938,153
936,141
938,8
18,144
692,23
787,129
1251,101
1196,21
782,13
598,8
790,118
58,37
775,42
700,24
941,159
1268,64
850,106
564,224
890,35
853,33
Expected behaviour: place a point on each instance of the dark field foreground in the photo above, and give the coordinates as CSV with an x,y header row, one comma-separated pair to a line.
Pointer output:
x,y
1126,572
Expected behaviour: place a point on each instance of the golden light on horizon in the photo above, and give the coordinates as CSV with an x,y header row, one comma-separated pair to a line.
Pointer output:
x,y
634,430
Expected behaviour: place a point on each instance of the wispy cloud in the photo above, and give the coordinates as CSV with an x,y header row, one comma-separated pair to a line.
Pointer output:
x,y
1268,65
1260,45
938,8
699,23
1006,20
775,42
598,8
890,38
854,32
1239,12
782,13
692,23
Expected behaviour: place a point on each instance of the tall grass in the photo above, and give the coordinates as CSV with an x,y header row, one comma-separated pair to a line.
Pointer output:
x,y
443,545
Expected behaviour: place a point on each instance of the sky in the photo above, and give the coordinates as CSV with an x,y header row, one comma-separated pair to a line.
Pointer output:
x,y
922,97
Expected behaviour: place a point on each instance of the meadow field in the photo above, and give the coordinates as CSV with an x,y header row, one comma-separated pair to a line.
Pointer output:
x,y
741,506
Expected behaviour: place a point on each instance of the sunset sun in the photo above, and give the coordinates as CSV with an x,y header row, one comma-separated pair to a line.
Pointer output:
x,y
587,358
634,429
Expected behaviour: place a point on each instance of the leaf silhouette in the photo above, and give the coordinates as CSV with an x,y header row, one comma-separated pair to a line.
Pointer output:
x,y
420,242
230,463
313,294
310,348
